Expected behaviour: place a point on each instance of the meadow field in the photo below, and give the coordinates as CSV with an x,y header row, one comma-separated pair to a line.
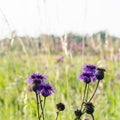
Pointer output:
x,y
18,61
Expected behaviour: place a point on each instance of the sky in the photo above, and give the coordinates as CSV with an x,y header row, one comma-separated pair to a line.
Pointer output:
x,y
34,17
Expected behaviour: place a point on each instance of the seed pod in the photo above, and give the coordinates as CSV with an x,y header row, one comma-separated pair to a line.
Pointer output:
x,y
100,73
89,108
60,106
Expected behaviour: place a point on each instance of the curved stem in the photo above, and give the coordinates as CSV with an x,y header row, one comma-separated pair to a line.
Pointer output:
x,y
57,115
38,106
92,116
84,96
41,108
94,91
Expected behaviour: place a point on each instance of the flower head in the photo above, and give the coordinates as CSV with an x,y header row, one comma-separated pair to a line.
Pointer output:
x,y
36,79
89,108
91,69
100,73
78,113
60,106
85,77
88,73
46,90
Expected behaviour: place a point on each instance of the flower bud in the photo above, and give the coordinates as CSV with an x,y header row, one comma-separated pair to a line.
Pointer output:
x,y
89,108
100,73
78,113
60,106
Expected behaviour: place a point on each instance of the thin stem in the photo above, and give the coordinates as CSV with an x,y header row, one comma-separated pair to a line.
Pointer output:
x,y
38,106
87,92
92,116
44,108
41,108
57,115
84,96
40,102
94,91
44,103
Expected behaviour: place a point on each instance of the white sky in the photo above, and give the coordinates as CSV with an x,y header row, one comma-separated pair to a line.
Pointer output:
x,y
32,17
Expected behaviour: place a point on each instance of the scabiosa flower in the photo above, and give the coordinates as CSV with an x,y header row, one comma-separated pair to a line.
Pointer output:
x,y
60,106
46,90
36,79
91,69
100,73
85,77
89,73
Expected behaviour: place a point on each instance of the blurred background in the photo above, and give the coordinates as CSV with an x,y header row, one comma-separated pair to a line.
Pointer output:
x,y
56,38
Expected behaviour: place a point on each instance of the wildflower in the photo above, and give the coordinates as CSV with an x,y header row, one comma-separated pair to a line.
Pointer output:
x,y
60,106
36,79
46,90
60,59
78,113
89,108
91,69
100,73
88,73
86,77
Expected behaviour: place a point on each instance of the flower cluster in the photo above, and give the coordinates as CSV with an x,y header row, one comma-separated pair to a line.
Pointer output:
x,y
89,73
40,87
37,82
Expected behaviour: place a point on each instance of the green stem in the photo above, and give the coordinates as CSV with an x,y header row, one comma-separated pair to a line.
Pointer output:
x,y
41,108
57,115
38,106
87,92
92,116
84,96
94,91
44,103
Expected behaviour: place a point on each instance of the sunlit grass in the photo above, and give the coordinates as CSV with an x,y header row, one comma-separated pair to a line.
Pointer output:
x,y
18,102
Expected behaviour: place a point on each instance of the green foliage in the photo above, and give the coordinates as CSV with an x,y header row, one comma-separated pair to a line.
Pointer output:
x,y
18,102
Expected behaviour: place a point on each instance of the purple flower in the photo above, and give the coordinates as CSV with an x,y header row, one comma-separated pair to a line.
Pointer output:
x,y
60,59
86,119
36,79
80,45
37,88
46,90
89,73
85,77
72,46
90,69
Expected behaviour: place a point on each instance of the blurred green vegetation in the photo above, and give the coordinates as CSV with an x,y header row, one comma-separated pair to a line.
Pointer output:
x,y
18,61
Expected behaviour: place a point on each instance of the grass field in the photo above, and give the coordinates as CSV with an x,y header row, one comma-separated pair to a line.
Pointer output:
x,y
17,101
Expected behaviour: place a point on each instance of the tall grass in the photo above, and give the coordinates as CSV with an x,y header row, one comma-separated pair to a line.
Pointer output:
x,y
17,101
